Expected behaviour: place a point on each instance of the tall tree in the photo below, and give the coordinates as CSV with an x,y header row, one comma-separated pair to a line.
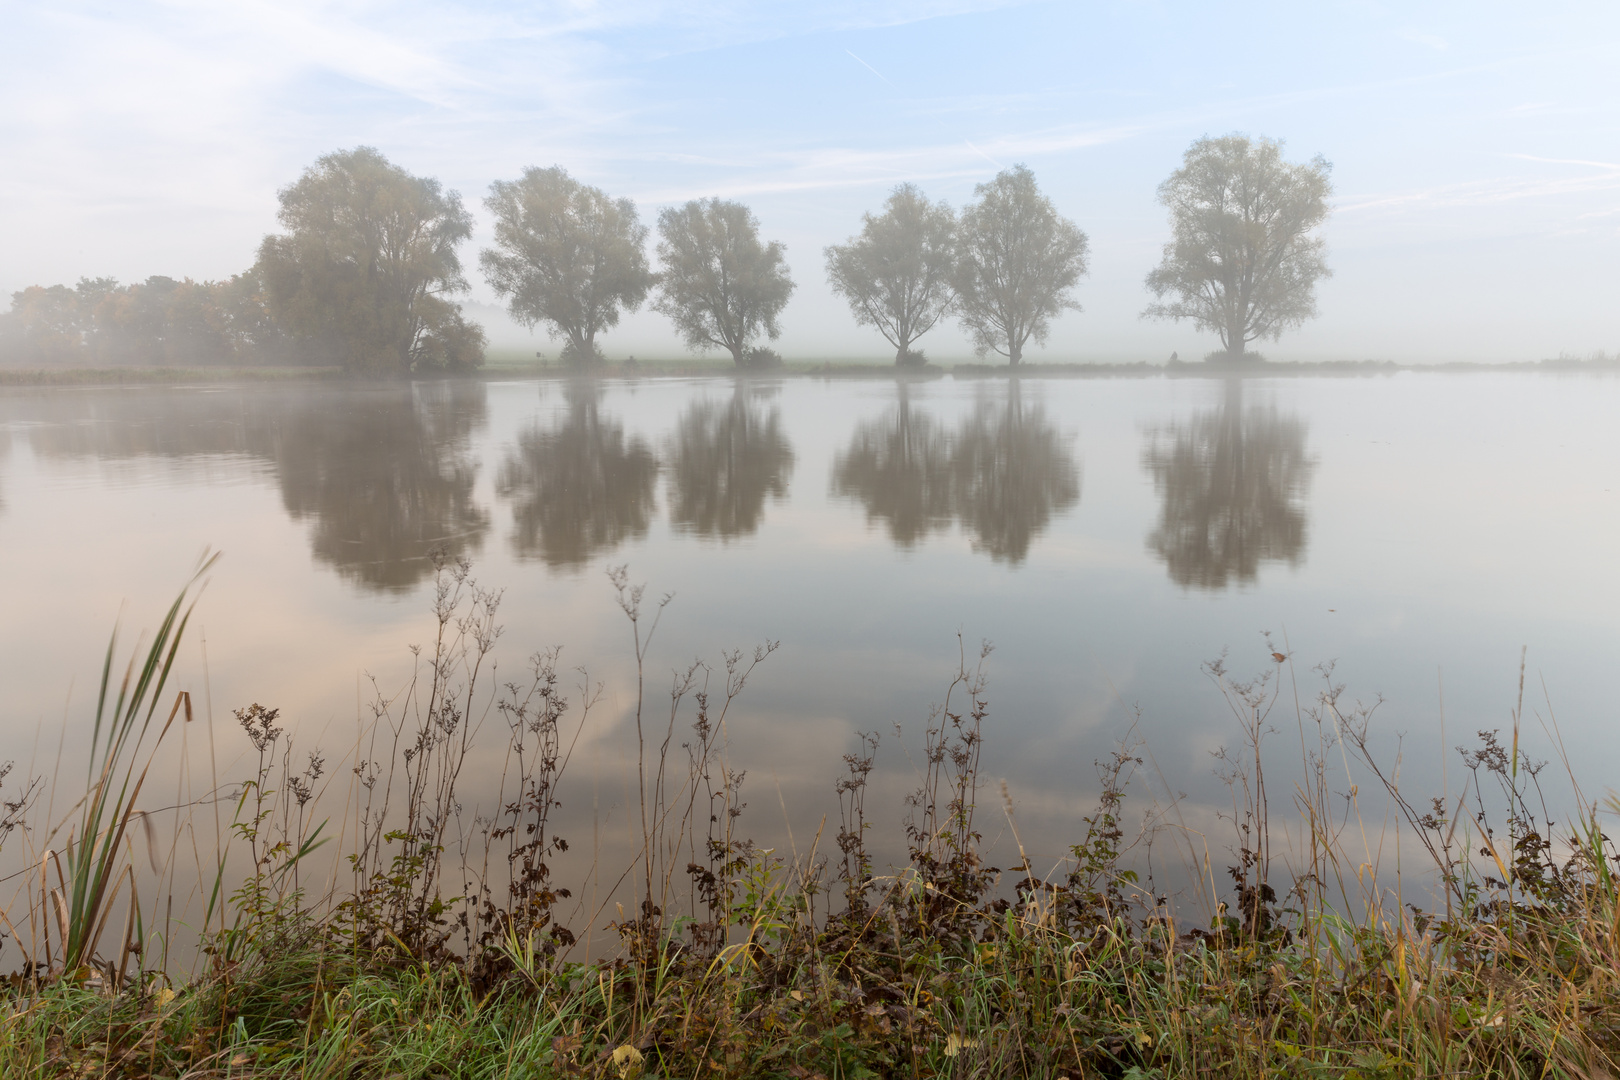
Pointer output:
x,y
363,273
719,284
567,255
1018,261
1241,260
896,274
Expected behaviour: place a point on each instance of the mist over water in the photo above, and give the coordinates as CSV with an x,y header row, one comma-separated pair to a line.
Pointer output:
x,y
1109,536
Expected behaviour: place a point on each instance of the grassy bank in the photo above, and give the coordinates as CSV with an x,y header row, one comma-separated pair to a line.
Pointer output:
x,y
433,955
72,376
517,364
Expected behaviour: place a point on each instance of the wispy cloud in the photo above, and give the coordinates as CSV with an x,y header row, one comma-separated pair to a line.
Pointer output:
x,y
1478,194
1610,165
838,167
1428,41
1495,191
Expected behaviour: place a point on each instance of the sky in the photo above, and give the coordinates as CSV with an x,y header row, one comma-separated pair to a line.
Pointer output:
x,y
1475,147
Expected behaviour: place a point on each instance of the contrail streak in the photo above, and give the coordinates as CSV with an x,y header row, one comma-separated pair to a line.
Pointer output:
x,y
942,126
868,67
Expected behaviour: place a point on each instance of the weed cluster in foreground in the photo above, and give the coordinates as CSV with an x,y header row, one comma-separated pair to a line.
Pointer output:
x,y
734,961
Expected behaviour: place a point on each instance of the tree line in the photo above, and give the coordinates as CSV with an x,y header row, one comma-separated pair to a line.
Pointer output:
x,y
365,273
156,322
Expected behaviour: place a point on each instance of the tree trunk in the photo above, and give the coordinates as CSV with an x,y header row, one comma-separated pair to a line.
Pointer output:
x,y
1015,354
738,356
580,351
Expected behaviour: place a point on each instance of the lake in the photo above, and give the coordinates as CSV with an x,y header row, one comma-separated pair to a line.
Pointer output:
x,y
1109,536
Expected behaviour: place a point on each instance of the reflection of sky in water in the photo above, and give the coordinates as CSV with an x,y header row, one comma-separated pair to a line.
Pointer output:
x,y
1108,535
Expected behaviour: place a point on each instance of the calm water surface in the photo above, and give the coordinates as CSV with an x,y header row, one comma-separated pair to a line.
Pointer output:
x,y
1109,536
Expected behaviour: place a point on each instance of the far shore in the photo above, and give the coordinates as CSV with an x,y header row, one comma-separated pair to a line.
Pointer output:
x,y
503,367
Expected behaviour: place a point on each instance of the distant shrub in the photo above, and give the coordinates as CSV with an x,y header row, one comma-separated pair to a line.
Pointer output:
x,y
574,356
760,358
913,358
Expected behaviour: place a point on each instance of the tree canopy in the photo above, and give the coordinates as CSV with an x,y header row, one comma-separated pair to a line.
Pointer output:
x,y
720,285
896,274
155,322
567,255
1018,261
1241,260
362,276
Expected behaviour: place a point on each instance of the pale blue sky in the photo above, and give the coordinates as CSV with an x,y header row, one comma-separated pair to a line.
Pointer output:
x,y
1476,147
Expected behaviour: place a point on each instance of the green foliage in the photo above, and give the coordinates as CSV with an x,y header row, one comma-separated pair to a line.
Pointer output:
x,y
567,256
157,322
360,277
718,283
1242,259
94,854
761,358
1017,264
361,280
44,326
896,274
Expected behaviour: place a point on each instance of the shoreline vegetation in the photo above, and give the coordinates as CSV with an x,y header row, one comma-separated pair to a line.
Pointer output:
x,y
442,945
504,366
366,274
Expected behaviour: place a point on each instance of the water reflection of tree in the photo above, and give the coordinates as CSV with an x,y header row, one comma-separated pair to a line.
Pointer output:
x,y
386,480
1234,483
1003,473
175,427
725,458
898,466
383,474
1012,471
579,487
